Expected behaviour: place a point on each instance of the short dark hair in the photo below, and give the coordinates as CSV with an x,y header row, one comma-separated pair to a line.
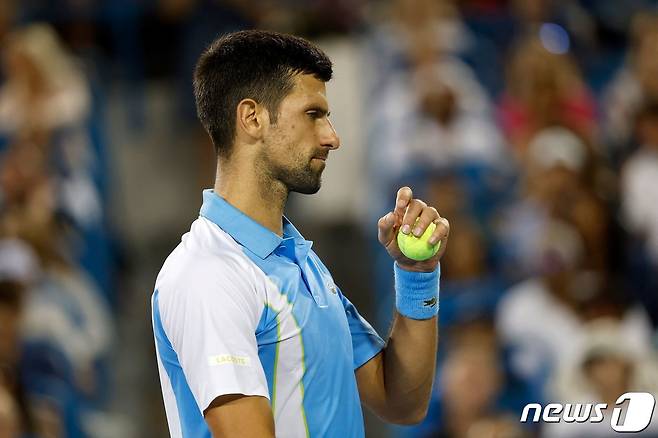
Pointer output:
x,y
253,64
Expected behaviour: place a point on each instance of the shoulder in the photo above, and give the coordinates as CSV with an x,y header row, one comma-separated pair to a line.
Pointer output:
x,y
209,268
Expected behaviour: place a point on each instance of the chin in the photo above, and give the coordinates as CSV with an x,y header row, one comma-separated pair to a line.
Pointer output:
x,y
308,186
306,182
306,189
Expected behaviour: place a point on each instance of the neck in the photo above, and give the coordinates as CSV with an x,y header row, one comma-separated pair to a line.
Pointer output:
x,y
253,193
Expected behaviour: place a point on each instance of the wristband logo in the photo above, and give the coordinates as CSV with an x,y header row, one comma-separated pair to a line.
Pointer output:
x,y
430,303
635,418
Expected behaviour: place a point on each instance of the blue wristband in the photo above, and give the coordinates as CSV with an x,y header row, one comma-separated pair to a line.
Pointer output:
x,y
417,293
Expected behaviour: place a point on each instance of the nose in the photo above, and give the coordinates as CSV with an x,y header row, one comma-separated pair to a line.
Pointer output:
x,y
328,136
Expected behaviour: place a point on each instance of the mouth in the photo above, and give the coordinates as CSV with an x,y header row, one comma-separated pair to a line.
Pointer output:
x,y
321,158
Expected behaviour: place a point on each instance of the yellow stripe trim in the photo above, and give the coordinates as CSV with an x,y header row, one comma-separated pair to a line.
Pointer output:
x,y
276,358
276,361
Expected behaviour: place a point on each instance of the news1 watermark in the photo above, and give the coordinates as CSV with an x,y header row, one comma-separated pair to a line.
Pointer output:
x,y
632,412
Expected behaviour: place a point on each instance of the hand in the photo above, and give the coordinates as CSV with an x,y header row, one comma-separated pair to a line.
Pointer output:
x,y
404,216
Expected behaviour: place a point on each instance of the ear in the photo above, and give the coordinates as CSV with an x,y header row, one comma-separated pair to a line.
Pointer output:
x,y
251,119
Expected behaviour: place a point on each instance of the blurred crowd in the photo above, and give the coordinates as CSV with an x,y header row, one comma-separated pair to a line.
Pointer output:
x,y
532,125
512,120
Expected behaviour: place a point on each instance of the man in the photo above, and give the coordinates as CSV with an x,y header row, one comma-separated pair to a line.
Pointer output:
x,y
253,337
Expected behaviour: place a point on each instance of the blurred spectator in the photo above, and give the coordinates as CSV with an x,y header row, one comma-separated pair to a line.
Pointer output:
x,y
65,329
15,418
528,190
64,307
45,106
9,419
470,388
470,381
639,187
559,175
635,82
639,209
44,89
45,99
541,319
554,184
544,89
402,24
605,369
434,116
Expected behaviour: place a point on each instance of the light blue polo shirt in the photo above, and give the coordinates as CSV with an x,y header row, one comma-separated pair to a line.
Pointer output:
x,y
239,310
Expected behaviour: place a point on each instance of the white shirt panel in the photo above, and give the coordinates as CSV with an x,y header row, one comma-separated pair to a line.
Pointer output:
x,y
211,299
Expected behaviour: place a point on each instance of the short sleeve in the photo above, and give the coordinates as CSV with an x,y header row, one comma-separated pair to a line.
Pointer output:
x,y
209,316
366,343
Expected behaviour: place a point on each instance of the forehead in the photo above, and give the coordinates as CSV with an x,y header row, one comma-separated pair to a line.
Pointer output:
x,y
308,89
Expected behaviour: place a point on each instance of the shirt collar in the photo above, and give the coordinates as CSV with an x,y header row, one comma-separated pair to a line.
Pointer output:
x,y
246,231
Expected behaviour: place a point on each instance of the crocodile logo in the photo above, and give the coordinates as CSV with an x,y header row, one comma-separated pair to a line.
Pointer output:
x,y
430,303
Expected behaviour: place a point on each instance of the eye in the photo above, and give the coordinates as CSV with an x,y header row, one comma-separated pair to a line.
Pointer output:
x,y
317,113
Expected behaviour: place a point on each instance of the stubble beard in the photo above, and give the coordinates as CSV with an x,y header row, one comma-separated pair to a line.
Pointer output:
x,y
296,175
300,179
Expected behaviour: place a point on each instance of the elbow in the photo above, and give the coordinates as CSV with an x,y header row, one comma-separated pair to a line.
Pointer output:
x,y
413,419
409,417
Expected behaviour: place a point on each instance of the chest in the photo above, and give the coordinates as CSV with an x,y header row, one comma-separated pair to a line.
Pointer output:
x,y
304,313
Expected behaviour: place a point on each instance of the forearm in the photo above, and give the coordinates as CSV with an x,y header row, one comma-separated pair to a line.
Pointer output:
x,y
409,363
409,360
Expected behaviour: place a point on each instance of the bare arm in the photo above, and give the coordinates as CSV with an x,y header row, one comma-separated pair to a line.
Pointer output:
x,y
397,383
236,415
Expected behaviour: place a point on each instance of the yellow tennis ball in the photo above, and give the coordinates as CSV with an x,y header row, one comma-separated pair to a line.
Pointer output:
x,y
418,248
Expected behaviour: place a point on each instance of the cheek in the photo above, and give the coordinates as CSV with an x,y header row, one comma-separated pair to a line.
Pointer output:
x,y
290,143
291,140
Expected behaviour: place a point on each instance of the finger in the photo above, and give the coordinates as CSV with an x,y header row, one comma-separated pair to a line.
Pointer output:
x,y
427,216
402,200
414,210
386,228
441,232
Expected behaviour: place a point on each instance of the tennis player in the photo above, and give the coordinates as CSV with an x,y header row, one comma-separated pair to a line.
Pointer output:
x,y
253,337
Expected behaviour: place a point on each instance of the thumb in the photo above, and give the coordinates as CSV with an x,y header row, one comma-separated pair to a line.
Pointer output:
x,y
386,228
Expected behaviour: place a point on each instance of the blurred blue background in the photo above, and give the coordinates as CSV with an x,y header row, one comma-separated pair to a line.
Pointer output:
x,y
532,125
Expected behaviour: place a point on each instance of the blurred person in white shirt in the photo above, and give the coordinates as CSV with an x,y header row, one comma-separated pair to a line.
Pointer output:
x,y
542,319
606,368
639,182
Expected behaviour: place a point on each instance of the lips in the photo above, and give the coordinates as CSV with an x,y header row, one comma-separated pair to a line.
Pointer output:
x,y
322,157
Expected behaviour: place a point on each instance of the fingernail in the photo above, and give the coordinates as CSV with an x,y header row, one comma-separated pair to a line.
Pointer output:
x,y
405,228
418,231
432,240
